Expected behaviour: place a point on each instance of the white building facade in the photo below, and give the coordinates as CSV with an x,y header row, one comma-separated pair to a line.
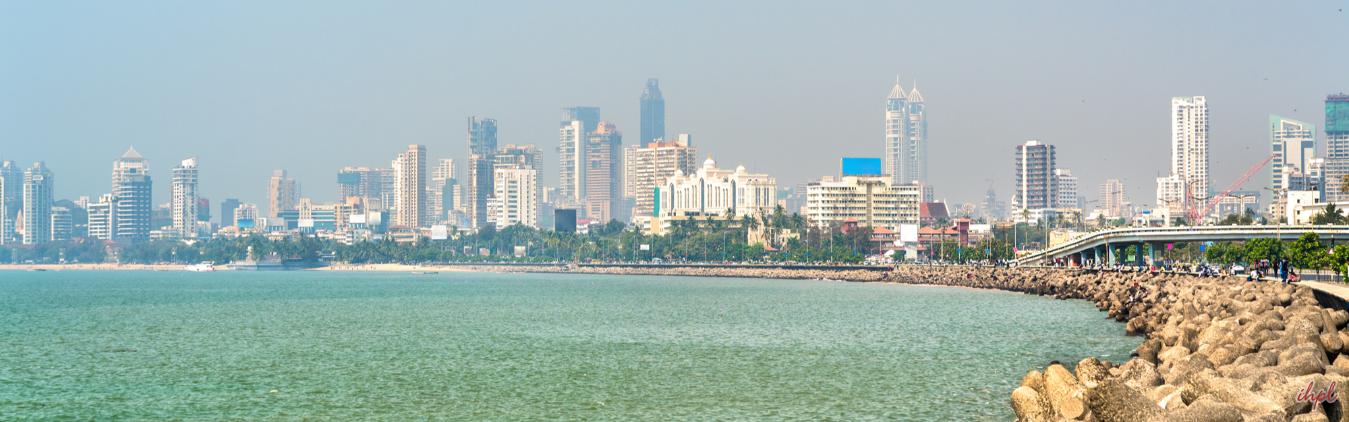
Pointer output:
x,y
184,203
1067,185
711,191
517,197
1188,182
873,201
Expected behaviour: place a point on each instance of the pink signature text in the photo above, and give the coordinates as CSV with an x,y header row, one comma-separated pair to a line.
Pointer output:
x,y
1328,395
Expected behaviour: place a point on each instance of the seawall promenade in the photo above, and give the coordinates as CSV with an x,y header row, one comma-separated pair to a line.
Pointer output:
x,y
1216,348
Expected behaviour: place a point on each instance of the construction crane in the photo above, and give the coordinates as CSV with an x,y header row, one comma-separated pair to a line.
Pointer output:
x,y
1195,215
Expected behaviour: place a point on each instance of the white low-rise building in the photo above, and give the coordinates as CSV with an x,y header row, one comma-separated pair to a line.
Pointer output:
x,y
873,200
711,191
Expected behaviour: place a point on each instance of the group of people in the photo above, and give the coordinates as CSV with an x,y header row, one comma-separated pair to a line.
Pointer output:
x,y
1283,268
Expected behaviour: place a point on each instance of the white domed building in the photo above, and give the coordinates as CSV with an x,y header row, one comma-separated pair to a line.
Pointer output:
x,y
715,192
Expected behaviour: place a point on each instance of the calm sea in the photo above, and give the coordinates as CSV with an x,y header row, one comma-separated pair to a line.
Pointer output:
x,y
139,345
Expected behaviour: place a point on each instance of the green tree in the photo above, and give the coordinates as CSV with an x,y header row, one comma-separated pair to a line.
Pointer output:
x,y
1307,252
1329,215
1264,248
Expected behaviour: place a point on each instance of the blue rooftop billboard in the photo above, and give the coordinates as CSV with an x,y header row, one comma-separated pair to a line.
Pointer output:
x,y
861,167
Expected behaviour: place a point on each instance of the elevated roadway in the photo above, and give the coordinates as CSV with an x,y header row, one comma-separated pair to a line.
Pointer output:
x,y
1108,245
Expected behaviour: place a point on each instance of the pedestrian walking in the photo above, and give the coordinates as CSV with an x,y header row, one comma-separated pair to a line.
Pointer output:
x,y
1283,270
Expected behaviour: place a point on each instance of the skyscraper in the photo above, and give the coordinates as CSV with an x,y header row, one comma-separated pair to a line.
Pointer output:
x,y
184,205
1188,182
411,186
132,205
1035,184
283,194
11,201
227,212
1112,198
604,173
577,124
653,113
1337,146
905,158
482,144
37,204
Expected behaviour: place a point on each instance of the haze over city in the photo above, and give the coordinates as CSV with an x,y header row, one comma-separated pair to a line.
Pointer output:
x,y
787,91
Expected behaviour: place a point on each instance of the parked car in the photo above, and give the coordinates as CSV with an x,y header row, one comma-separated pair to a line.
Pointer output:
x,y
1238,269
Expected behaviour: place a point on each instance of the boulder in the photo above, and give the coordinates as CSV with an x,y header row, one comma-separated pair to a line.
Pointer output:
x,y
1112,401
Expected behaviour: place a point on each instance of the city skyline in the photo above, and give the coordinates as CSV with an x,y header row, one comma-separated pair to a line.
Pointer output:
x,y
781,116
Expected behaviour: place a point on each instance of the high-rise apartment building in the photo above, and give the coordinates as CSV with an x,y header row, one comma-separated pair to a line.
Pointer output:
x,y
132,205
443,184
1337,146
905,157
360,182
101,221
62,224
184,205
283,194
653,113
1188,182
411,187
1035,184
1293,144
482,144
1112,198
227,212
38,184
246,215
577,124
604,174
646,167
1067,183
518,176
11,201
517,197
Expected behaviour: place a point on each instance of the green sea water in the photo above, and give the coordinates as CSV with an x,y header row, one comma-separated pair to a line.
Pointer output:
x,y
137,345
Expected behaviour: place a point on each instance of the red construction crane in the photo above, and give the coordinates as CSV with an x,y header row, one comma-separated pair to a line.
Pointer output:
x,y
1196,215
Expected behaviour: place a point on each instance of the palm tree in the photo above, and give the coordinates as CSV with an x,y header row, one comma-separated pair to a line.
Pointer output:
x,y
1329,215
1344,183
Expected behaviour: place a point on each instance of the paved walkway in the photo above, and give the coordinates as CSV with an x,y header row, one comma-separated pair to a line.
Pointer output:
x,y
1340,291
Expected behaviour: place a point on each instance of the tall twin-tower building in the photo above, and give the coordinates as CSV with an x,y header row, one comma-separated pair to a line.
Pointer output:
x,y
905,158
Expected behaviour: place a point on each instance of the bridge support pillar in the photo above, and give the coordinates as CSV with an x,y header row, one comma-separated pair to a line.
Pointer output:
x,y
1138,255
1152,253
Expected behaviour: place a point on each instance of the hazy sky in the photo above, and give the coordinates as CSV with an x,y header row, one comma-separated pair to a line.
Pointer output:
x,y
786,88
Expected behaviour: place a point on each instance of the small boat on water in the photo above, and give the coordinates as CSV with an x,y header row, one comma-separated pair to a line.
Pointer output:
x,y
205,266
36,269
425,272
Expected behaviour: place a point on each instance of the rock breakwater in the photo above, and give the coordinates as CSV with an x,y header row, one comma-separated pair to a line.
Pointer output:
x,y
1217,349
